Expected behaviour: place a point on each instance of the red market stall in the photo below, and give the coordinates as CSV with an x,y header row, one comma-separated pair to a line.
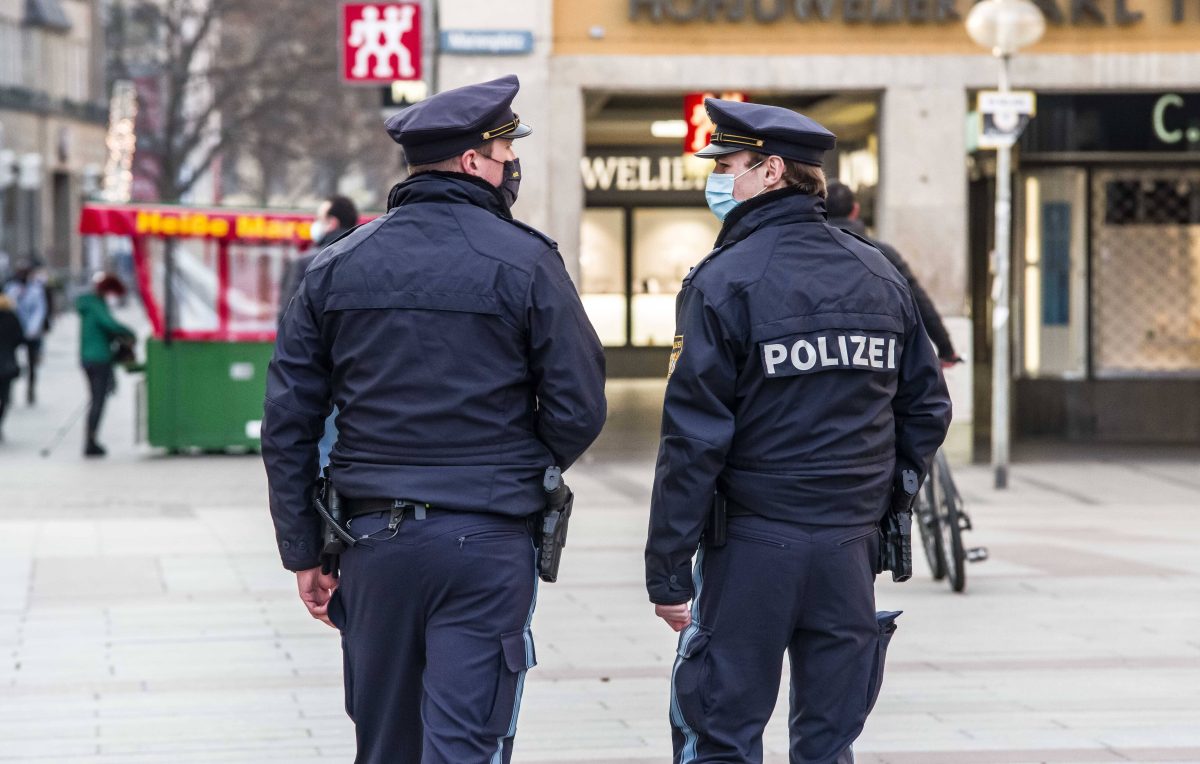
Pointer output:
x,y
209,280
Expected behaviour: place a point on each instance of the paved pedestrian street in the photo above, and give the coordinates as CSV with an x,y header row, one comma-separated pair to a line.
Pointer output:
x,y
146,618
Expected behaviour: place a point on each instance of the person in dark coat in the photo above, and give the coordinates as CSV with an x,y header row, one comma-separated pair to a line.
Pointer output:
x,y
98,331
844,211
29,295
11,338
335,216
801,383
457,351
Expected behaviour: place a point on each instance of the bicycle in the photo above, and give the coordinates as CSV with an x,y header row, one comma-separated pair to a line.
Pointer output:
x,y
941,519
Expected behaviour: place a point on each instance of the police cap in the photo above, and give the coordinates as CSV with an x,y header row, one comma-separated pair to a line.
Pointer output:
x,y
448,123
766,130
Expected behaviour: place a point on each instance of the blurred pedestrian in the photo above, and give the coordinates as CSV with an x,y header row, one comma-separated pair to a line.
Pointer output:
x,y
98,332
334,218
27,290
11,337
844,212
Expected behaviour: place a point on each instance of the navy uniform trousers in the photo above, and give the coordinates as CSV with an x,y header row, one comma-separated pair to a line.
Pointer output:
x,y
779,586
435,636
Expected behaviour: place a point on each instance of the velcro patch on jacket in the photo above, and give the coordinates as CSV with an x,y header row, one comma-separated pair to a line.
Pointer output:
x,y
833,350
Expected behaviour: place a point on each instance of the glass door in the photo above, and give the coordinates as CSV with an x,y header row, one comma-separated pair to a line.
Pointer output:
x,y
602,264
1050,274
667,242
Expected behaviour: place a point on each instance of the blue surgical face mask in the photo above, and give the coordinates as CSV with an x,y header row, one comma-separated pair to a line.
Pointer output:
x,y
718,192
316,230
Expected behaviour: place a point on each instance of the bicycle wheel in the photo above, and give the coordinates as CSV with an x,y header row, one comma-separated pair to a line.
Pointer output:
x,y
930,530
948,502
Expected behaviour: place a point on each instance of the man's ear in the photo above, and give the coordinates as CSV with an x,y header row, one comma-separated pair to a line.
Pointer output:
x,y
775,169
468,162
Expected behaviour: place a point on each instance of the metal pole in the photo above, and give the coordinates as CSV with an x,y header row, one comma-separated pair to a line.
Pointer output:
x,y
435,56
169,304
1000,307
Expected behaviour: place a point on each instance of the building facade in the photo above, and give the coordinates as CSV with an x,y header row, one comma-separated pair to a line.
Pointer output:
x,y
52,127
1106,297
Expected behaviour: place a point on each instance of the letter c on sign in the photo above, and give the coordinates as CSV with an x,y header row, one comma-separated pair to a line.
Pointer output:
x,y
807,347
772,355
1160,129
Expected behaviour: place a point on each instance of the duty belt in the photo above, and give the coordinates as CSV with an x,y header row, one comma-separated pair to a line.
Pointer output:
x,y
733,509
359,507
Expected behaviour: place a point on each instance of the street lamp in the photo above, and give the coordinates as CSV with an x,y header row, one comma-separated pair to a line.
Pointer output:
x,y
1003,27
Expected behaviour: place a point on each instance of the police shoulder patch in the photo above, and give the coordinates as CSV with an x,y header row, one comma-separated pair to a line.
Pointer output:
x,y
832,350
676,349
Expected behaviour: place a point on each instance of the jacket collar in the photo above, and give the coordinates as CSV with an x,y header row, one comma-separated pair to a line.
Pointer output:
x,y
780,207
846,224
439,187
330,237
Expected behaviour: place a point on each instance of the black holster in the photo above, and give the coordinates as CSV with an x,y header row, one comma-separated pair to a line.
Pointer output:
x,y
895,529
335,538
552,529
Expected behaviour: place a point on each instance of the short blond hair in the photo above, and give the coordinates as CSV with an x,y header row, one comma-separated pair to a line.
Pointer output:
x,y
809,179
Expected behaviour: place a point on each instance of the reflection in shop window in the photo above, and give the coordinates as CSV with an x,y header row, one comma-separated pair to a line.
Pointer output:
x,y
667,243
1146,280
602,272
860,168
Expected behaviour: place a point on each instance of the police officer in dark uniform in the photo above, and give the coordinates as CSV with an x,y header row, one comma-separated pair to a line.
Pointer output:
x,y
457,351
801,383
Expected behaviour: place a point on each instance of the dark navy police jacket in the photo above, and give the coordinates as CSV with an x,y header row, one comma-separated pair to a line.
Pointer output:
x,y
454,345
801,380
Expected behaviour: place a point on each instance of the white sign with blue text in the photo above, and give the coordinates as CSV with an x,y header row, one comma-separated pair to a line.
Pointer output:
x,y
487,42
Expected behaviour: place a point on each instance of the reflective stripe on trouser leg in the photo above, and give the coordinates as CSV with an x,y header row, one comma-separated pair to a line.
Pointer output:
x,y
498,756
691,739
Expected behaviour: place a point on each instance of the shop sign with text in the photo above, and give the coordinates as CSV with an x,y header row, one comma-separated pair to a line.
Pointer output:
x,y
492,42
1057,12
1115,123
381,42
637,174
184,222
699,126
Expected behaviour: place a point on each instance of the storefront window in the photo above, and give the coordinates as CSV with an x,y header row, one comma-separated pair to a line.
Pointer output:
x,y
602,271
1051,277
667,242
1146,281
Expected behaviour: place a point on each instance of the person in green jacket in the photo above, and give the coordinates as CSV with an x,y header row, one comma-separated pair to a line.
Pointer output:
x,y
98,330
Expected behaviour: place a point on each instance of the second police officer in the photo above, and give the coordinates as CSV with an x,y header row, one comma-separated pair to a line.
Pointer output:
x,y
458,354
801,383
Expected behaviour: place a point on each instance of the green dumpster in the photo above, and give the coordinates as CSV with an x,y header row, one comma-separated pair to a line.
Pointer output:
x,y
205,396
